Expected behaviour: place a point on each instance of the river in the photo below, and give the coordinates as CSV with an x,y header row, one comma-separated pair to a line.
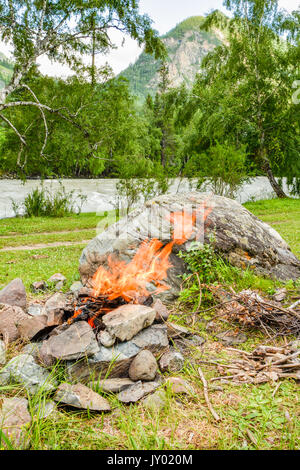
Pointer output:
x,y
101,193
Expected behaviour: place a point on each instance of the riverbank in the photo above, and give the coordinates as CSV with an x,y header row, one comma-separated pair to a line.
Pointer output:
x,y
101,193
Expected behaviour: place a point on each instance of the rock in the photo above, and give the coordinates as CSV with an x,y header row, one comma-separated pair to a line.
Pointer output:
x,y
128,320
33,328
75,288
230,338
118,358
171,361
35,310
80,396
137,391
115,360
184,345
56,278
38,286
24,370
59,286
14,419
106,339
111,385
239,236
143,367
10,318
2,353
176,331
14,294
154,338
33,349
55,309
43,409
178,385
162,313
156,401
74,343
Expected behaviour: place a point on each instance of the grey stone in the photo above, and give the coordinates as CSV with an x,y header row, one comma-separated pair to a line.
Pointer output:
x,y
171,361
118,358
128,320
176,331
10,318
33,327
179,386
156,401
115,360
137,391
111,385
43,409
55,308
80,396
38,286
240,236
56,278
35,310
14,420
106,339
75,342
24,370
154,338
2,353
75,287
14,294
143,366
162,313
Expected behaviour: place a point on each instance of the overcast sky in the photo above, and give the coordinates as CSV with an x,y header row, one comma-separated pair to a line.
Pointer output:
x,y
165,15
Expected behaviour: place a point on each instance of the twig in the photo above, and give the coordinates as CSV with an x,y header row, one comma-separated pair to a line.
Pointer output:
x,y
276,388
213,412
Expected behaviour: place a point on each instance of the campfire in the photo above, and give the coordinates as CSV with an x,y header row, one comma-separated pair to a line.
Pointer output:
x,y
122,283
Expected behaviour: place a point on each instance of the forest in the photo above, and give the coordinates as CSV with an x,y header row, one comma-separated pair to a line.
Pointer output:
x,y
240,117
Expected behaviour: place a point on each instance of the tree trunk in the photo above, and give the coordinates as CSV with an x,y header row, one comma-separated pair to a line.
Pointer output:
x,y
266,167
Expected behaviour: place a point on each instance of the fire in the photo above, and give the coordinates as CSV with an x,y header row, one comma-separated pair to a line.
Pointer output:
x,y
129,281
149,265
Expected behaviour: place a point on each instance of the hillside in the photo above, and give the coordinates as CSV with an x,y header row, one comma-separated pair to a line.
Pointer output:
x,y
186,46
6,70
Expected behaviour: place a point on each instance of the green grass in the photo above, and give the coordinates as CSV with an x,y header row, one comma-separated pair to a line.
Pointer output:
x,y
251,417
28,226
283,215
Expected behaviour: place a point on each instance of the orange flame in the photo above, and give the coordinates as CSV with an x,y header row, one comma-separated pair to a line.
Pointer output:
x,y
150,264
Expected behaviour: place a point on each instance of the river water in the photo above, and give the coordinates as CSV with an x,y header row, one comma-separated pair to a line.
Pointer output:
x,y
101,193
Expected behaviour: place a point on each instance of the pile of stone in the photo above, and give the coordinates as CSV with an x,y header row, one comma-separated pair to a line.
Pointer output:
x,y
128,357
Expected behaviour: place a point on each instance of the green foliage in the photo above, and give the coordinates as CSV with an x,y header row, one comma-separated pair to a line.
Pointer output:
x,y
222,168
143,75
44,203
6,69
107,129
245,89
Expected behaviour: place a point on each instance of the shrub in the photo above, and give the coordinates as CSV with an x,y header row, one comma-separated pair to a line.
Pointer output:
x,y
41,202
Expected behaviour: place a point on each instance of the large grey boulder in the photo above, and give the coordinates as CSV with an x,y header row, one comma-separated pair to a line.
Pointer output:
x,y
240,236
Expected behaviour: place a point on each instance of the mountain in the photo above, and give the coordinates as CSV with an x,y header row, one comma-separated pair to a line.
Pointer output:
x,y
6,70
186,46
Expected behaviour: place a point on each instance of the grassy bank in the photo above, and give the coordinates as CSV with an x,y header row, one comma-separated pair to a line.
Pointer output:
x,y
252,416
